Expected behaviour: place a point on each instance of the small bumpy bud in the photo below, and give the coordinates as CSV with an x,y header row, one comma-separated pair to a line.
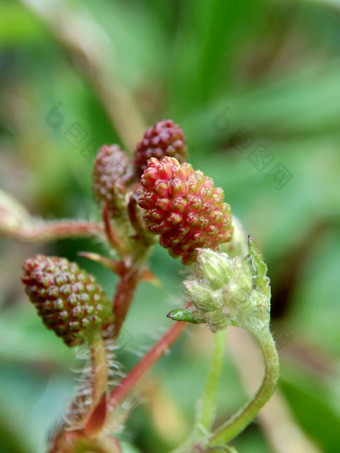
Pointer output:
x,y
165,138
228,291
67,298
184,207
111,167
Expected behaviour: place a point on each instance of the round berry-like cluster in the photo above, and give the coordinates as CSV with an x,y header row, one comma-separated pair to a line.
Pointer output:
x,y
111,165
68,299
184,207
165,138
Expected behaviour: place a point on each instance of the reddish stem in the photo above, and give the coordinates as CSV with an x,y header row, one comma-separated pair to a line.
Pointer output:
x,y
58,230
113,240
144,365
124,296
134,219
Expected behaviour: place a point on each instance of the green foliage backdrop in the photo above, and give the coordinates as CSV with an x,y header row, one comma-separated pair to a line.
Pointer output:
x,y
255,86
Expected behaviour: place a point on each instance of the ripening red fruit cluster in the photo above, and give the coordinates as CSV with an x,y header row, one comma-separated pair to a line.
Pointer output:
x,y
68,299
110,166
184,207
165,138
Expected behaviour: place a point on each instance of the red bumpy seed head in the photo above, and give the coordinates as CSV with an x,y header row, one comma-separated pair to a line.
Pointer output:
x,y
184,207
111,167
67,298
165,138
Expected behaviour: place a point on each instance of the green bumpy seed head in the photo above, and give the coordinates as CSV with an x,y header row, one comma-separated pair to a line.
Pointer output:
x,y
228,291
110,173
165,138
184,207
68,299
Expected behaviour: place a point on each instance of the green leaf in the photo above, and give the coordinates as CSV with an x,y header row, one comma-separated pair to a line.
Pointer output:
x,y
313,413
181,314
18,25
259,267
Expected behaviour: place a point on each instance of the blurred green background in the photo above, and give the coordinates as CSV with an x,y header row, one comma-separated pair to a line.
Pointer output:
x,y
256,87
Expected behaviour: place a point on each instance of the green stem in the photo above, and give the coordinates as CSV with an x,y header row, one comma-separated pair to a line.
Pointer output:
x,y
99,367
68,437
245,415
206,413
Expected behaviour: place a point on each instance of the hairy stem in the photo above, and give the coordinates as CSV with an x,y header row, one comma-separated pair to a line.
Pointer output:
x,y
99,367
245,415
124,296
144,365
51,231
206,413
110,235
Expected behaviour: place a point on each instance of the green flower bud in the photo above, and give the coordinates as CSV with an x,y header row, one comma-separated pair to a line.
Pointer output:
x,y
181,314
214,266
230,290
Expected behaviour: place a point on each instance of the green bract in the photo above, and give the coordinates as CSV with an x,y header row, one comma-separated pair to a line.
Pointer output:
x,y
228,291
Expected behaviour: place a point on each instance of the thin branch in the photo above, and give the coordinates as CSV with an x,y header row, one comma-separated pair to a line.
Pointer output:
x,y
144,365
110,234
207,409
241,419
50,231
124,295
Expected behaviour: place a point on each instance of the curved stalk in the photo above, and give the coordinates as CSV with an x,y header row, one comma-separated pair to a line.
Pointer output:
x,y
245,415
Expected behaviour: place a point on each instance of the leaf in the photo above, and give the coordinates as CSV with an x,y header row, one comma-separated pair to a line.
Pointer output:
x,y
181,314
259,267
314,415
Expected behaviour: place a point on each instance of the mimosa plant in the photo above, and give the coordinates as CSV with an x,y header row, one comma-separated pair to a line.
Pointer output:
x,y
154,196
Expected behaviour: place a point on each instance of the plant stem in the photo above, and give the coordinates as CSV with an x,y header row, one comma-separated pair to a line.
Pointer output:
x,y
99,367
245,415
111,237
51,231
144,365
124,296
206,413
